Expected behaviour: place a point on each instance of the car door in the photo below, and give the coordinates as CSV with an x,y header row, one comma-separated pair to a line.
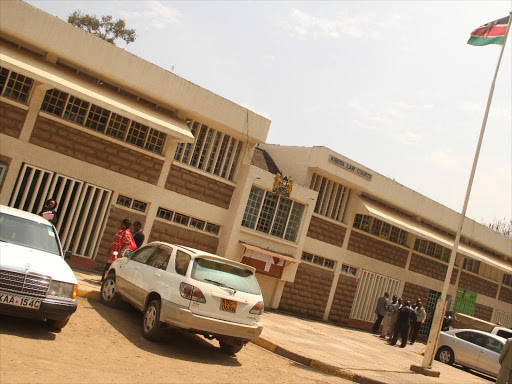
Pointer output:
x,y
467,348
128,273
152,276
489,355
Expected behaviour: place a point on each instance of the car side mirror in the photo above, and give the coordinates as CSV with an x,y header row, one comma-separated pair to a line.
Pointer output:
x,y
128,254
67,255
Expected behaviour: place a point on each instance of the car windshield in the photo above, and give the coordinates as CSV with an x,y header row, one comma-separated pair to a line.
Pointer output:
x,y
218,273
27,233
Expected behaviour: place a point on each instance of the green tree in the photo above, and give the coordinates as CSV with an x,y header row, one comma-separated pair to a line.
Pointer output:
x,y
104,27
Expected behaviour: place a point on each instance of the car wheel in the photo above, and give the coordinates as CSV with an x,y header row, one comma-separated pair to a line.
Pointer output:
x,y
151,325
109,295
230,349
57,324
445,355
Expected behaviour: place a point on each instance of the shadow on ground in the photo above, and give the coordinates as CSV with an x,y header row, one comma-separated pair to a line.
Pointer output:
x,y
26,328
175,344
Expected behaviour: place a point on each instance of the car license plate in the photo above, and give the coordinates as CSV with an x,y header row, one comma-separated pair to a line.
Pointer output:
x,y
20,301
228,305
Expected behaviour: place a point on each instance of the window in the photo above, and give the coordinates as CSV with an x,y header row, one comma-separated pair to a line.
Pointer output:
x,y
181,263
131,203
507,279
318,260
102,120
270,213
197,224
15,86
332,197
191,222
471,265
348,269
3,168
432,249
160,259
181,219
212,151
142,255
381,229
164,214
212,228
492,344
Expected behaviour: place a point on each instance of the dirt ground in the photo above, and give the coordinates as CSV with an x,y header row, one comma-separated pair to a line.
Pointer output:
x,y
104,345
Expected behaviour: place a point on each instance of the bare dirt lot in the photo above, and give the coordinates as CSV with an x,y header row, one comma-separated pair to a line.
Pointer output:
x,y
103,345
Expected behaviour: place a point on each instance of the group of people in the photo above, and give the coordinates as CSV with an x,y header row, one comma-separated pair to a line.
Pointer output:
x,y
123,239
400,319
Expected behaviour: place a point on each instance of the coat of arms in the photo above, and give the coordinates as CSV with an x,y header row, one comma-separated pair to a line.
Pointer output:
x,y
282,185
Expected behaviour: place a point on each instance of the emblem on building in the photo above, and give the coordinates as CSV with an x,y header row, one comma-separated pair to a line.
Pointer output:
x,y
282,185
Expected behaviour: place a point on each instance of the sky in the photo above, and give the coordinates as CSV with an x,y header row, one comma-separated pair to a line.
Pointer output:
x,y
392,85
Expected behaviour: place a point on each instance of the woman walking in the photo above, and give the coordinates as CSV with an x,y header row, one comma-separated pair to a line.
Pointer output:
x,y
123,240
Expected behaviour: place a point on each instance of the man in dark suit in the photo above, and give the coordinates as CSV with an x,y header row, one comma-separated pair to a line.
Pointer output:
x,y
138,236
406,316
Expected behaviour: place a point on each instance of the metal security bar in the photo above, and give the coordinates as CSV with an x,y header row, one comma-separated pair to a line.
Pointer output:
x,y
503,318
82,207
371,286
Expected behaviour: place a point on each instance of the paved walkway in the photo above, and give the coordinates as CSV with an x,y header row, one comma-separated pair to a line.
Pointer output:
x,y
349,353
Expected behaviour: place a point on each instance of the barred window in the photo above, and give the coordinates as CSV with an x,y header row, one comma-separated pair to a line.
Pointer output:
x,y
317,260
124,201
117,126
164,214
76,110
270,213
471,265
15,86
97,118
507,280
332,197
348,269
128,202
197,224
379,228
54,101
181,219
432,249
212,228
101,120
212,151
137,133
139,205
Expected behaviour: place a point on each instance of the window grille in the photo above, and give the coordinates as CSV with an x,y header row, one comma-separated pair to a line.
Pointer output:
x,y
507,280
348,269
181,219
332,197
317,260
212,151
212,228
379,228
139,206
128,202
124,201
432,249
471,265
270,213
164,214
14,85
102,120
191,222
197,224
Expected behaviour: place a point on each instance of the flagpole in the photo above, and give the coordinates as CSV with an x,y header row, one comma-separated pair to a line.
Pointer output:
x,y
433,338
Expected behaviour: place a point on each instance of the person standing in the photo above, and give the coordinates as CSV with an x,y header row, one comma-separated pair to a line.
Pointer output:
x,y
382,303
447,321
394,317
123,240
386,326
505,359
49,212
406,316
421,315
138,235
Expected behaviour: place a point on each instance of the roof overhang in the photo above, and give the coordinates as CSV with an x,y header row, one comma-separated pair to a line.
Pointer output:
x,y
48,73
269,253
416,228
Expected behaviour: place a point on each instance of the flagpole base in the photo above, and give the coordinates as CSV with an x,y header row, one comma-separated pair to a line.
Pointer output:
x,y
424,371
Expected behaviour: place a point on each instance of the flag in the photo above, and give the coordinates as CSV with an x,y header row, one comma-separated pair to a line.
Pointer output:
x,y
490,33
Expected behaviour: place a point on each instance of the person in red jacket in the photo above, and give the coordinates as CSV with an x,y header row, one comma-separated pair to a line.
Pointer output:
x,y
123,240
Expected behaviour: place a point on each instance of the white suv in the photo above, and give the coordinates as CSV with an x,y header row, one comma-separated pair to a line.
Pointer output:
x,y
186,288
35,281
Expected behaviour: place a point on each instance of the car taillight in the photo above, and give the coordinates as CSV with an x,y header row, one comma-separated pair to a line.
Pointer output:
x,y
258,308
190,292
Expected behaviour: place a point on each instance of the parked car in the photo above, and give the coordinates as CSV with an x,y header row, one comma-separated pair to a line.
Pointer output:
x,y
181,287
35,280
502,331
471,348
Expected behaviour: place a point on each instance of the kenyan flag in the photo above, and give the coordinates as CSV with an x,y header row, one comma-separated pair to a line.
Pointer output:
x,y
490,33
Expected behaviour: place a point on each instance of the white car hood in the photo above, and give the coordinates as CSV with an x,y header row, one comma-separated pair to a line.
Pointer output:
x,y
23,259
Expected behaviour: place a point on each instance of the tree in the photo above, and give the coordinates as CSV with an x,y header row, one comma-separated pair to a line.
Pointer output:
x,y
105,28
501,225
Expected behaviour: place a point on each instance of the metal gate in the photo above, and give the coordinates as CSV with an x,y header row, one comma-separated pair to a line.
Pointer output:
x,y
82,207
430,307
465,302
503,318
371,286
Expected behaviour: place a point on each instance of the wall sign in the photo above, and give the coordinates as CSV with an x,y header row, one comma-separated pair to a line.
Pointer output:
x,y
350,167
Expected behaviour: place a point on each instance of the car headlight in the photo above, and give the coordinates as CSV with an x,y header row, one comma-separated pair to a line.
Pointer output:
x,y
60,289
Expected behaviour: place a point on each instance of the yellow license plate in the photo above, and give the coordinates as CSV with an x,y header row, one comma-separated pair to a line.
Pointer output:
x,y
228,305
